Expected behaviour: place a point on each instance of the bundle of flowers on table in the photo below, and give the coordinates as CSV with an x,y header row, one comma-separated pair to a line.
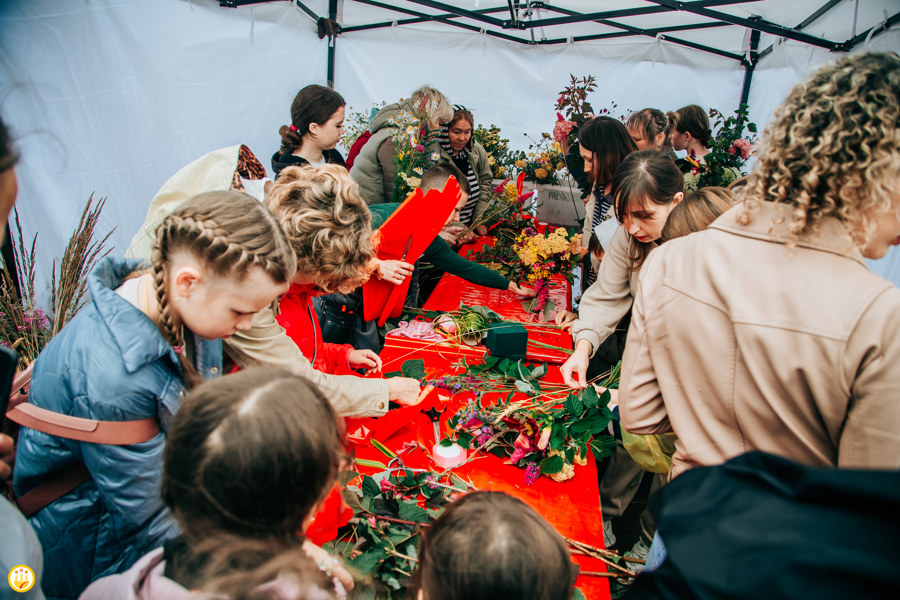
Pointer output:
x,y
728,154
508,213
416,146
544,255
500,157
547,433
542,163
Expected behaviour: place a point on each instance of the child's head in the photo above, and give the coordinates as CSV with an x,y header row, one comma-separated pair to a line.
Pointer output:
x,y
248,458
460,130
436,178
438,109
604,143
218,259
832,152
489,545
649,128
691,123
696,211
646,187
328,225
317,112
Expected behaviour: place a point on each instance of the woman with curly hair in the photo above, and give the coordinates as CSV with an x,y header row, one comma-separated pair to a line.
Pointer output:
x,y
767,331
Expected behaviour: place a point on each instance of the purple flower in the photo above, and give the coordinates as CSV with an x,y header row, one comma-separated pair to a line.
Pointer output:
x,y
532,472
429,479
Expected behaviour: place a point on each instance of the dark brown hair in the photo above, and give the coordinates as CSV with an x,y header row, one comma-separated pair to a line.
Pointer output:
x,y
436,177
228,233
644,176
312,104
489,545
609,141
247,459
651,122
465,115
692,119
8,155
696,211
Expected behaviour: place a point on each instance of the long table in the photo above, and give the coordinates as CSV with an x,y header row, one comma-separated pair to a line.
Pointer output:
x,y
573,507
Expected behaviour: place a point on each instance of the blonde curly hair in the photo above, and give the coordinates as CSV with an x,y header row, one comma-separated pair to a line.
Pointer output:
x,y
327,223
832,149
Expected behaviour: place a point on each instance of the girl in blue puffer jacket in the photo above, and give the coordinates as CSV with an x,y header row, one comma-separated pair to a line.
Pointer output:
x,y
131,354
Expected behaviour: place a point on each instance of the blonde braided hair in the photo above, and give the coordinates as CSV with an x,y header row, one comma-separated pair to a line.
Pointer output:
x,y
228,233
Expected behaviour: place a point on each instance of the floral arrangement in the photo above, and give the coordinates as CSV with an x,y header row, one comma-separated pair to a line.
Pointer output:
x,y
416,153
545,434
24,326
729,152
357,123
500,157
574,103
544,255
542,163
508,212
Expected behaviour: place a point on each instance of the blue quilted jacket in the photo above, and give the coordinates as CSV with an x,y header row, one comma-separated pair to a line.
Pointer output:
x,y
109,363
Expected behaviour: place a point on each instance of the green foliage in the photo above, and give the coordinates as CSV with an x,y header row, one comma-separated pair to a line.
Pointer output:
x,y
729,151
413,368
500,158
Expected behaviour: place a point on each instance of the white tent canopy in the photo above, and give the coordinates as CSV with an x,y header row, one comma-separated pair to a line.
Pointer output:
x,y
111,97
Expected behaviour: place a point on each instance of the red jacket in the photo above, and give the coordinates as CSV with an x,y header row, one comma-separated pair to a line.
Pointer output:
x,y
298,317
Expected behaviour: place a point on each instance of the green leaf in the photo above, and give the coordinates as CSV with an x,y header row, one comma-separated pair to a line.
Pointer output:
x,y
393,583
548,310
345,477
558,438
413,368
603,446
366,562
393,374
751,127
464,439
369,487
589,397
524,387
446,442
552,464
570,455
539,371
579,595
410,511
574,405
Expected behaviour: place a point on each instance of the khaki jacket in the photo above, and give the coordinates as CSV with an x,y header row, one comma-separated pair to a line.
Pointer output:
x,y
740,342
610,297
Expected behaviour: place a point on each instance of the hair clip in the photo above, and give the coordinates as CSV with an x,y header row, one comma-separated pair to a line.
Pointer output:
x,y
179,349
293,127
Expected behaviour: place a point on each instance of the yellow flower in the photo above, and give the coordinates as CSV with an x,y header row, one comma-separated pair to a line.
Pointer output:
x,y
501,171
520,164
491,160
541,173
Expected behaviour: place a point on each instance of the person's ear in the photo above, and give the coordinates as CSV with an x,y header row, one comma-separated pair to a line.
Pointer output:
x,y
314,129
185,280
677,198
421,594
660,140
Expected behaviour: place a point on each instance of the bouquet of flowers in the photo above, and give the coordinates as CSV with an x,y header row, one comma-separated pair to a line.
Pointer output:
x,y
545,434
544,255
508,212
578,111
416,150
357,123
24,326
728,154
541,164
500,158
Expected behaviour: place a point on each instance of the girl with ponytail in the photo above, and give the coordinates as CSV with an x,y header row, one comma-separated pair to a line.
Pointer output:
x,y
317,123
145,338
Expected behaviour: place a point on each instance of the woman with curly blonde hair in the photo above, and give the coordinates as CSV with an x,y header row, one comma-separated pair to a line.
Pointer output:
x,y
767,331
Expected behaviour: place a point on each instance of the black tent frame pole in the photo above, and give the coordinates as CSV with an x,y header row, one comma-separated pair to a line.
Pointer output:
x,y
749,66
332,43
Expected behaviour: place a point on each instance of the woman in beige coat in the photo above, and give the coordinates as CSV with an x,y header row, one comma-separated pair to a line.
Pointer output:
x,y
767,331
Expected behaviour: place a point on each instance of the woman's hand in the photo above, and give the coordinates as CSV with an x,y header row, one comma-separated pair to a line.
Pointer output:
x,y
521,290
328,564
404,390
394,271
450,233
469,237
481,230
577,365
364,359
565,319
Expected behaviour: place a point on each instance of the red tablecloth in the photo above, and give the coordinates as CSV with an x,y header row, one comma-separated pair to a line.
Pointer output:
x,y
573,507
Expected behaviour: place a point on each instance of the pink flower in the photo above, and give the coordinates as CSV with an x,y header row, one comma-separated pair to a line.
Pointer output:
x,y
741,145
387,486
522,446
532,472
545,438
473,422
562,129
373,522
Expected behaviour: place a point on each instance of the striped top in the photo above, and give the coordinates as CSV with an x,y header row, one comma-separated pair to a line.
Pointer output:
x,y
462,162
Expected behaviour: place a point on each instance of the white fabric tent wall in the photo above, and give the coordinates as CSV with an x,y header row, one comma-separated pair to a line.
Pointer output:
x,y
113,96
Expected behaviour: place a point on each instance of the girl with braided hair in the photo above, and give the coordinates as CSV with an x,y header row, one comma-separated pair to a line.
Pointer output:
x,y
131,355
